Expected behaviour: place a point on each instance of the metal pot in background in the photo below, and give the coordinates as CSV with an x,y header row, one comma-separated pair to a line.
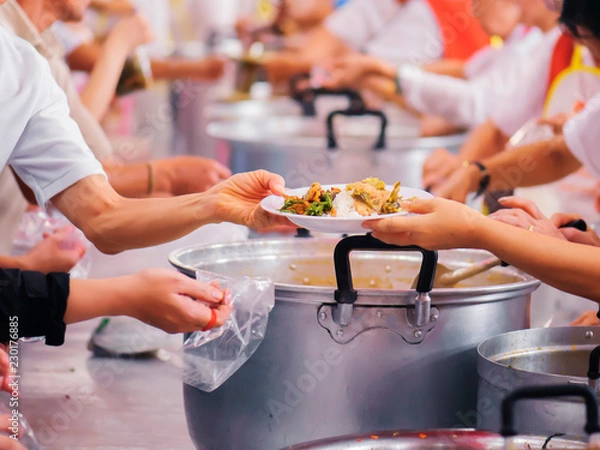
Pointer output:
x,y
461,439
347,146
306,103
370,359
535,357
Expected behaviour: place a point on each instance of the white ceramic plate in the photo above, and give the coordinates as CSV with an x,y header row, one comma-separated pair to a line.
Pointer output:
x,y
326,224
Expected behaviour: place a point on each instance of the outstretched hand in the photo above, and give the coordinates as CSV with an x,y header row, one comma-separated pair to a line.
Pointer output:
x,y
440,224
237,200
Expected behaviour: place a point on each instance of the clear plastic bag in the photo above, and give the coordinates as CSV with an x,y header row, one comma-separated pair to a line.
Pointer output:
x,y
18,424
212,357
31,232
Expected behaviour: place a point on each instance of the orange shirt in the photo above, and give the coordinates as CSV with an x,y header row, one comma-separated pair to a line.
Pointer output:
x,y
460,31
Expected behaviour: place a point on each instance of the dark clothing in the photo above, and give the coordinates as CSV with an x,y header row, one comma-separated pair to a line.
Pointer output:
x,y
38,302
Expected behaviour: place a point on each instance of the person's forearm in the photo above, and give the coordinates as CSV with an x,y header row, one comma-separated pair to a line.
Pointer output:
x,y
567,266
173,69
531,165
101,86
84,57
115,224
12,262
89,299
450,67
458,101
484,141
138,180
322,44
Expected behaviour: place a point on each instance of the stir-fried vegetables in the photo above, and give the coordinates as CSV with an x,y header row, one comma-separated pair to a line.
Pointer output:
x,y
316,202
367,198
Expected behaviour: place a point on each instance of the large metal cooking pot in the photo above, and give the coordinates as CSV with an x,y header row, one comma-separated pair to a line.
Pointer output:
x,y
535,357
347,146
391,365
463,439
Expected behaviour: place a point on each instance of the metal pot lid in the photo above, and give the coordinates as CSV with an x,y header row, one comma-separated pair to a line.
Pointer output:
x,y
251,109
458,439
353,133
553,355
303,271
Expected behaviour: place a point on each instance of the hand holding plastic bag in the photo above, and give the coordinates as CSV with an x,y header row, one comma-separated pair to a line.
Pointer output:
x,y
212,357
37,226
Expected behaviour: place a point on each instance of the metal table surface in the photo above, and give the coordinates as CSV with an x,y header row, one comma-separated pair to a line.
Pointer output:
x,y
74,401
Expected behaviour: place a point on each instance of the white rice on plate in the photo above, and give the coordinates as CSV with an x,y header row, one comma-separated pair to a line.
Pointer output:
x,y
344,205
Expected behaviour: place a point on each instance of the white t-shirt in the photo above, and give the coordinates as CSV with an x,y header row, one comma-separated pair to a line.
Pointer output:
x,y
582,135
388,30
527,97
39,139
491,73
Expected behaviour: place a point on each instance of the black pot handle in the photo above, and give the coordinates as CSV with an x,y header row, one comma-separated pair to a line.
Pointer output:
x,y
594,367
308,97
345,292
295,80
332,140
540,392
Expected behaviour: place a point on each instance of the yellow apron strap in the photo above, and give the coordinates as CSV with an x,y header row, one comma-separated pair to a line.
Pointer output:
x,y
577,60
577,65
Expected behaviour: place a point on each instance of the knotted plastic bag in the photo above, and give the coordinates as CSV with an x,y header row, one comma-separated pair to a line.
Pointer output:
x,y
211,357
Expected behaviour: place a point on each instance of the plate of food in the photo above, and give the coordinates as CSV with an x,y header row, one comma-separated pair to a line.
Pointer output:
x,y
341,208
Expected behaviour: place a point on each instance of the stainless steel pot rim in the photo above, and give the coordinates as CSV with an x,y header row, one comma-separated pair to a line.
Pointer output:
x,y
366,297
583,342
226,130
451,436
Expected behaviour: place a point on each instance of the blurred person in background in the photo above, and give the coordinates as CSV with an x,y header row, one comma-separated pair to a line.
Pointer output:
x,y
289,19
465,98
30,20
558,81
397,31
574,146
126,30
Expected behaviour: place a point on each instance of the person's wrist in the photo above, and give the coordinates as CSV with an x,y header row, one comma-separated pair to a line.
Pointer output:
x,y
479,228
385,69
210,207
164,176
476,173
121,299
23,262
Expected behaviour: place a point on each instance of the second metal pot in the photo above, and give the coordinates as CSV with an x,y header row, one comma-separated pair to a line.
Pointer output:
x,y
535,357
346,147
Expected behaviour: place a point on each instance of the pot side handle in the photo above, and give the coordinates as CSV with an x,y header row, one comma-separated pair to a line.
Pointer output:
x,y
332,142
295,81
541,392
346,294
307,99
593,373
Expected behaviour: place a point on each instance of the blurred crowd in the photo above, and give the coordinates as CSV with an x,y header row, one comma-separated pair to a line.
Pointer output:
x,y
522,77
